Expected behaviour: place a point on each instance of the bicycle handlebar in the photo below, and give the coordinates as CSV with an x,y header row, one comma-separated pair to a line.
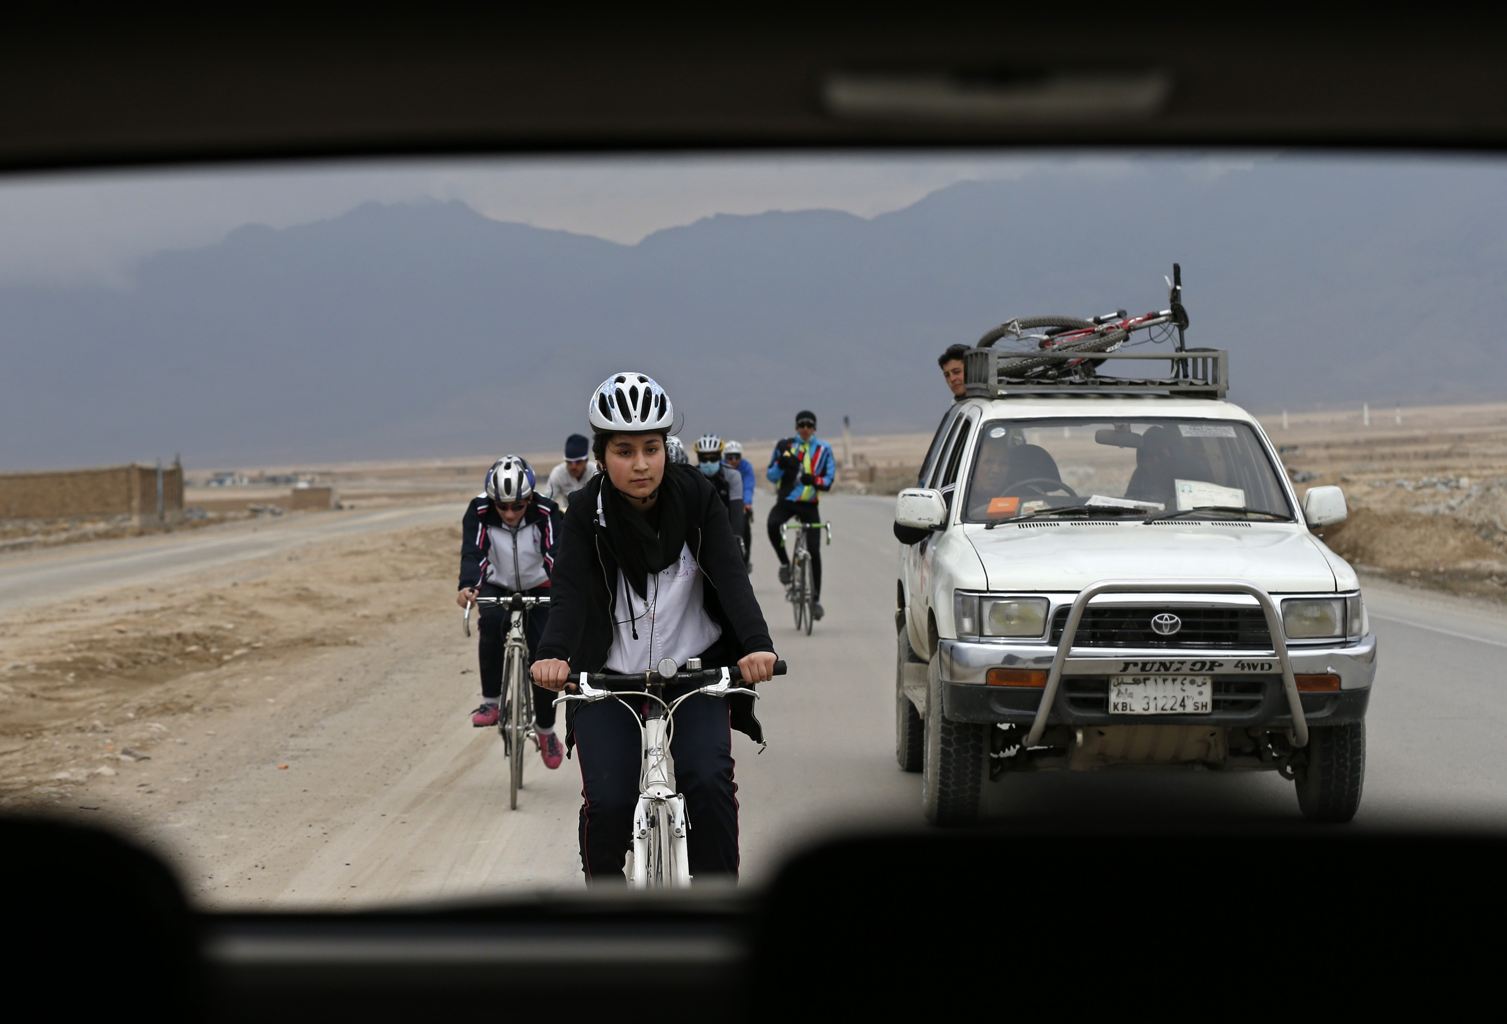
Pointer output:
x,y
513,603
702,675
810,526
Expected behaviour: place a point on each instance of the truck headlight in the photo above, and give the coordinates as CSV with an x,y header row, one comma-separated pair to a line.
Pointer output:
x,y
1314,618
986,615
1013,616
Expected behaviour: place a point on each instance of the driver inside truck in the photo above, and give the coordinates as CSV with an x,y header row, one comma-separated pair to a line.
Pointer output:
x,y
1003,464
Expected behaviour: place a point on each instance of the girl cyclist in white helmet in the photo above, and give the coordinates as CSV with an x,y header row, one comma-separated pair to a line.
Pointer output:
x,y
507,546
649,569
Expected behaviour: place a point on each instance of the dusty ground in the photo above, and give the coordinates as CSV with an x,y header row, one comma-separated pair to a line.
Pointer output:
x,y
101,683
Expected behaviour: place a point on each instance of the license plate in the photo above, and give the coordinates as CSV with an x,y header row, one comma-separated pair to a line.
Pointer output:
x,y
1161,695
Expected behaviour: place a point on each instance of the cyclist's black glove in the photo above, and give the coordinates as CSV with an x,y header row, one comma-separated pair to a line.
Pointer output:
x,y
808,479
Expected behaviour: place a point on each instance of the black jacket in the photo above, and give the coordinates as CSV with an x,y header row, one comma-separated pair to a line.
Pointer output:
x,y
585,586
475,546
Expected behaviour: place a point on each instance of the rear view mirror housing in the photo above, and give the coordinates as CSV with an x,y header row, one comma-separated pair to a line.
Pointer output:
x,y
1324,506
918,512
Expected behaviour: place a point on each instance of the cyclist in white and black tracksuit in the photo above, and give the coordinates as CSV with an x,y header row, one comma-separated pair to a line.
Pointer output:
x,y
508,539
649,569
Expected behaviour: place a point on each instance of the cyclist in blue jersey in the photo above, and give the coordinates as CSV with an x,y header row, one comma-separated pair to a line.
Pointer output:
x,y
800,468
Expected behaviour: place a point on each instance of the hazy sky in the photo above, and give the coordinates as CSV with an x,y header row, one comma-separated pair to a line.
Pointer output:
x,y
93,227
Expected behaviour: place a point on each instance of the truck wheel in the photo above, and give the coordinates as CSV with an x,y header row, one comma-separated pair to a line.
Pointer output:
x,y
1329,783
952,767
909,729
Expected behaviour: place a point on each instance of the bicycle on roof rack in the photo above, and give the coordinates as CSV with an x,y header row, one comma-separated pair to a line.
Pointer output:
x,y
1055,348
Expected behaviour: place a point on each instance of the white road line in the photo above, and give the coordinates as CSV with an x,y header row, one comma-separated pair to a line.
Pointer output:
x,y
1436,629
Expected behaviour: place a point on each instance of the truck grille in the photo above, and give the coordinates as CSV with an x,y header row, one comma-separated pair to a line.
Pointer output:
x,y
1215,628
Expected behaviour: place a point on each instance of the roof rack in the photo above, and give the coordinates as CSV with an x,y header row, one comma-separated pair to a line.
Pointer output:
x,y
1192,373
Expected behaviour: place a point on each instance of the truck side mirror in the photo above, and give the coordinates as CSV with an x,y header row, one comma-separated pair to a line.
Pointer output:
x,y
1324,506
918,512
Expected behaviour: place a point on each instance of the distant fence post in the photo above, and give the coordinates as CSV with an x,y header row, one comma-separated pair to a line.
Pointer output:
x,y
161,515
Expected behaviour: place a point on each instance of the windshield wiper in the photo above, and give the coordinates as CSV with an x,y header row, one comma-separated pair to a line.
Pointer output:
x,y
1231,510
1087,511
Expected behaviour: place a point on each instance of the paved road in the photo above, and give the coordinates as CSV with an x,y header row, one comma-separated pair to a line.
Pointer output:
x,y
395,798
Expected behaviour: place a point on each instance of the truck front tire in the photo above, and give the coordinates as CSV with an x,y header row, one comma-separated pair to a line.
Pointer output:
x,y
1333,769
953,762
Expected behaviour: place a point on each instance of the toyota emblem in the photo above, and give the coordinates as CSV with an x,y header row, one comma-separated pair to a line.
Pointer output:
x,y
1166,624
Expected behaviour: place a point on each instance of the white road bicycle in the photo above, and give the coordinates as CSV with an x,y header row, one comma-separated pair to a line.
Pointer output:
x,y
515,720
801,590
657,853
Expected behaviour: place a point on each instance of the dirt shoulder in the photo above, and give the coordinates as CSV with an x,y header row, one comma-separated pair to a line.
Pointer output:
x,y
95,685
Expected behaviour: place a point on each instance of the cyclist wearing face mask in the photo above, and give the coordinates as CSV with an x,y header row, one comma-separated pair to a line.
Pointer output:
x,y
725,481
650,570
507,546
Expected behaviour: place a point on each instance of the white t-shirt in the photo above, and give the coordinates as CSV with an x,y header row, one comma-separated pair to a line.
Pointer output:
x,y
671,620
561,485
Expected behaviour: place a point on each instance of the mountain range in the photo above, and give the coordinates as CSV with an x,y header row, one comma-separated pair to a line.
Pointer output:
x,y
429,329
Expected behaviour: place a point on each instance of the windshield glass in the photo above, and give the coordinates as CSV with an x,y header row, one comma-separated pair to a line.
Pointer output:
x,y
1148,465
248,418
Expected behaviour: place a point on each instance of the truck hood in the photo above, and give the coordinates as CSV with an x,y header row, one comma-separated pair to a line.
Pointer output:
x,y
1060,555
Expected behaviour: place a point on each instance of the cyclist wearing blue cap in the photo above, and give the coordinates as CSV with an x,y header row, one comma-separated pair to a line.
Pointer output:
x,y
571,475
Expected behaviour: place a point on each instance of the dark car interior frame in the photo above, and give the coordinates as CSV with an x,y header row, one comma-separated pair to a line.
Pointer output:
x,y
1066,912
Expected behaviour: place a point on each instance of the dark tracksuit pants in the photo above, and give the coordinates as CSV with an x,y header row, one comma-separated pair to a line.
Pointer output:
x,y
492,624
608,743
806,512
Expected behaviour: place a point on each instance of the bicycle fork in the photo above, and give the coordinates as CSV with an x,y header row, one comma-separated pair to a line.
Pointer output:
x,y
660,821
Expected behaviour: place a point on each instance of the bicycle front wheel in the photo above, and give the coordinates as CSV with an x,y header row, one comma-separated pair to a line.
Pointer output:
x,y
793,588
517,721
808,592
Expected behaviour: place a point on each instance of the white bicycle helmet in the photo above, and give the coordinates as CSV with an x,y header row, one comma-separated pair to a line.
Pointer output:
x,y
675,451
630,403
709,444
510,479
732,448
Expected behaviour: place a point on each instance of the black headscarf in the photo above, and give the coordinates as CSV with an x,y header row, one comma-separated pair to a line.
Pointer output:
x,y
648,543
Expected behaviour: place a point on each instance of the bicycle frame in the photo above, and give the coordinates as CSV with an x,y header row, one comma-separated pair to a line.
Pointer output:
x,y
658,842
516,726
798,591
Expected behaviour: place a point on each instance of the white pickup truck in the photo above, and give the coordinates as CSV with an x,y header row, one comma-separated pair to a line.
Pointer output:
x,y
1099,572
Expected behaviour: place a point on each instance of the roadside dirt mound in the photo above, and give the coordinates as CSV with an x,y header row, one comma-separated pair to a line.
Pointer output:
x,y
1440,550
81,684
1410,540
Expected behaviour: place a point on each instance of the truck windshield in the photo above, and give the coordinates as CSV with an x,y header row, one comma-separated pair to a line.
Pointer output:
x,y
1148,467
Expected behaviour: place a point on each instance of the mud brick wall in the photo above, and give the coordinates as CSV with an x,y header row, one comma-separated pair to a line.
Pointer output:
x,y
312,498
101,493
